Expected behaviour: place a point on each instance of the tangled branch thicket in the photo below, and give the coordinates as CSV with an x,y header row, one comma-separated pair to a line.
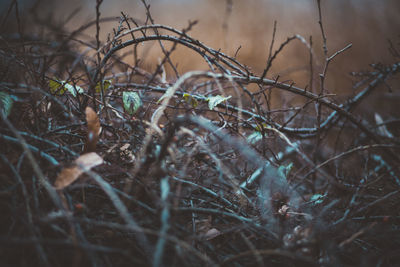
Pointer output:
x,y
205,172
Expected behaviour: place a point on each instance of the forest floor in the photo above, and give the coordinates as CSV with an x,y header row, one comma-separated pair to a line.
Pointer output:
x,y
106,163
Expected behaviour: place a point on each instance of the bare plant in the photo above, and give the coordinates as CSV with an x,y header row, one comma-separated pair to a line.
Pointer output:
x,y
198,167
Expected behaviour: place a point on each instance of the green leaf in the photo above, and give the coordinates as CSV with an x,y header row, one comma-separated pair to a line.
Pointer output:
x,y
132,102
56,87
190,100
73,89
214,101
6,103
261,126
317,199
59,88
283,171
106,85
254,137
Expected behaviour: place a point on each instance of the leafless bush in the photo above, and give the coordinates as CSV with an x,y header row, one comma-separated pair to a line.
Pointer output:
x,y
204,169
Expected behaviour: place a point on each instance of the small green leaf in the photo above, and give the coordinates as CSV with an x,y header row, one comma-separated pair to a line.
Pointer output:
x,y
106,85
6,103
59,88
254,137
73,89
214,101
317,199
259,127
56,87
283,171
190,100
132,102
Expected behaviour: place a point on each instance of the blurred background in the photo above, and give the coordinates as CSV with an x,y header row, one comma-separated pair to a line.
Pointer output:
x,y
230,24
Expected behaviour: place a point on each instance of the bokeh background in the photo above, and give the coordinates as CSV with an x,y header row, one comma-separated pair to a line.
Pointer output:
x,y
230,24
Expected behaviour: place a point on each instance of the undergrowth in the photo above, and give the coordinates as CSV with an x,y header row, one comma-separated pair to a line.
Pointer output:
x,y
198,168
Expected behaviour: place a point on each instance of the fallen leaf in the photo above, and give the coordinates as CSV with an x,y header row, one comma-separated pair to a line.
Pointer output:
x,y
82,164
212,233
283,210
94,129
126,153
88,161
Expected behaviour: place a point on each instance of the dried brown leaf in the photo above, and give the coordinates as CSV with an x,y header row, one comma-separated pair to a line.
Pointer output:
x,y
82,164
88,161
94,129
